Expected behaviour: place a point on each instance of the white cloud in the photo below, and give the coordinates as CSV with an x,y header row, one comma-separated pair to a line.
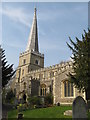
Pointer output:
x,y
17,15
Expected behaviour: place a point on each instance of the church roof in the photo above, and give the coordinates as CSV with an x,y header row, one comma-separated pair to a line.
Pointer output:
x,y
33,37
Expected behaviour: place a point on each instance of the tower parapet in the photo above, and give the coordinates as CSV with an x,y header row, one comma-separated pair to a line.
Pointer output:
x,y
31,51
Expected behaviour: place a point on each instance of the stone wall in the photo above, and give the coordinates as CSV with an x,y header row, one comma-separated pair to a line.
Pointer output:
x,y
35,87
53,76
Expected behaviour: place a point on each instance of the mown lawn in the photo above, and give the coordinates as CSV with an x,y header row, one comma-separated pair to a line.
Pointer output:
x,y
51,112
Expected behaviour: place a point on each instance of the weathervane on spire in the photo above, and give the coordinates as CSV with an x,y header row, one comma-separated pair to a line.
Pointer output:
x,y
35,9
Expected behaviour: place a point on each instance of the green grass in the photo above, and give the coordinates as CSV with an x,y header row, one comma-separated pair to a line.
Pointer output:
x,y
51,112
89,115
12,114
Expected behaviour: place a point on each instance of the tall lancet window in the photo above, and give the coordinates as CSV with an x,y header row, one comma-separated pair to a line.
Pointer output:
x,y
43,90
68,89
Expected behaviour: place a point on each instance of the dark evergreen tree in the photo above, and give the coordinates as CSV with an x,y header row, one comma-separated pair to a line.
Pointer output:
x,y
80,77
7,70
10,96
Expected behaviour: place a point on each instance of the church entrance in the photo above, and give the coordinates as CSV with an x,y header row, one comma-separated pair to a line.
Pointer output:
x,y
24,98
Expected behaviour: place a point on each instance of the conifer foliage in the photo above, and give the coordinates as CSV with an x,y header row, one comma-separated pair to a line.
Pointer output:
x,y
7,70
80,76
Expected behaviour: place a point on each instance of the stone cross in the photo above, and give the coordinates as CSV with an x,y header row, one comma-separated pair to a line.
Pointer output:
x,y
79,108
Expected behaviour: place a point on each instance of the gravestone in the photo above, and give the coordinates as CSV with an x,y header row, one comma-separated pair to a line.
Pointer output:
x,y
20,115
79,108
68,112
42,99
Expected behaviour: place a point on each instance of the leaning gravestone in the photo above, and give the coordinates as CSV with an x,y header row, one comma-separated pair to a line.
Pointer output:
x,y
79,108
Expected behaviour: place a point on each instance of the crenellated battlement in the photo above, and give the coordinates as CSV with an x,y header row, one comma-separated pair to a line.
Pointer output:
x,y
23,53
33,52
61,67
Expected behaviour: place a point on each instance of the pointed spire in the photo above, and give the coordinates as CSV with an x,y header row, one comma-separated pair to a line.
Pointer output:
x,y
33,37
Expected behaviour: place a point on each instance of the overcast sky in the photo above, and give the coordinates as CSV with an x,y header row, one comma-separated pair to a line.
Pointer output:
x,y
56,22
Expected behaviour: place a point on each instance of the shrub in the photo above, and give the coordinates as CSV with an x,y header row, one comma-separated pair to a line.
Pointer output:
x,y
10,96
48,99
34,101
21,107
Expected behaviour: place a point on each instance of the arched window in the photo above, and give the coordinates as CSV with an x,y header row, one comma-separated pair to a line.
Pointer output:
x,y
36,61
23,72
50,88
24,98
24,61
51,74
14,91
68,89
43,90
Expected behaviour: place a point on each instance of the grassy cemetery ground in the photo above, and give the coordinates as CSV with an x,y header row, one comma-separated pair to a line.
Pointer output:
x,y
50,112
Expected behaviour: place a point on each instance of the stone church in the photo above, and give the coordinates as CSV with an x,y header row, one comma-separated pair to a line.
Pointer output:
x,y
33,79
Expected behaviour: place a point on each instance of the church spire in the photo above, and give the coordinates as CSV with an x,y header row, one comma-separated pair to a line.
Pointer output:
x,y
33,37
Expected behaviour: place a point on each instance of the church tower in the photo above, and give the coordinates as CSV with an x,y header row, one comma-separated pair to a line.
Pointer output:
x,y
31,59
